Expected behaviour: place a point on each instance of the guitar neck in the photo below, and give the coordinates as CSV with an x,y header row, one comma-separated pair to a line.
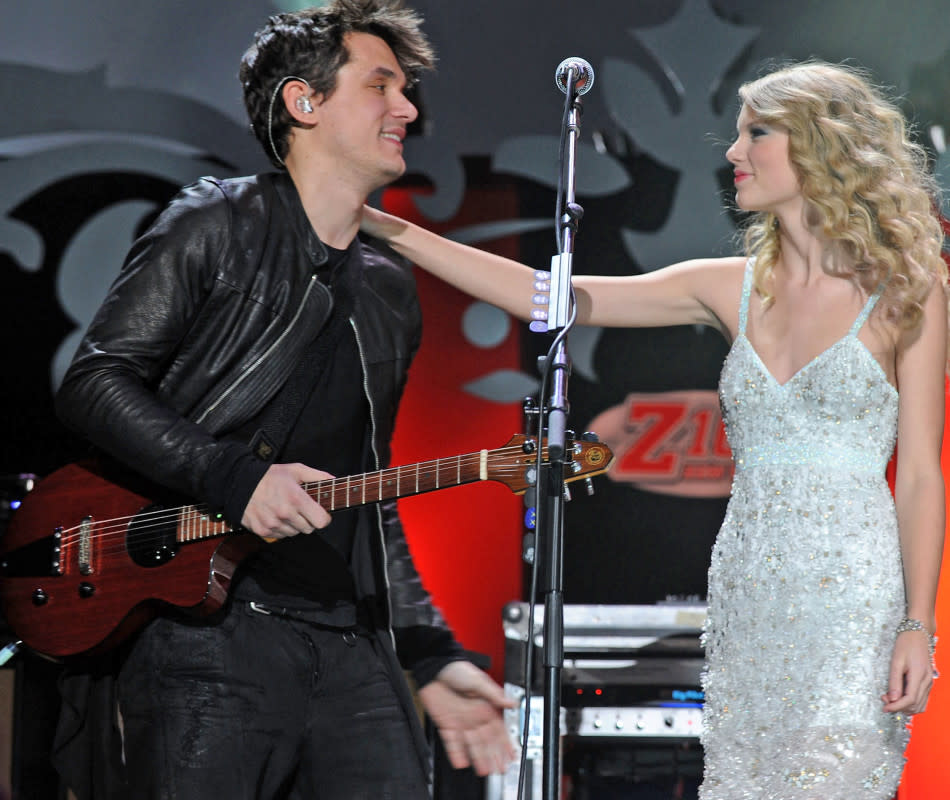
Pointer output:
x,y
335,494
514,465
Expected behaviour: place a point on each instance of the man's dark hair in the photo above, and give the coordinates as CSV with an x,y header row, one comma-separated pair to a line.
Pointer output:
x,y
310,44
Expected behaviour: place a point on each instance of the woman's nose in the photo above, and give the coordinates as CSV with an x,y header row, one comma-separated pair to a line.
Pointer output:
x,y
733,153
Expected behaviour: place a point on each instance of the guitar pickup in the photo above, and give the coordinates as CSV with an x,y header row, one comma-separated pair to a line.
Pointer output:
x,y
85,546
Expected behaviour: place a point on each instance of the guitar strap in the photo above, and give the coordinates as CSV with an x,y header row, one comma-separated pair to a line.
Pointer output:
x,y
280,415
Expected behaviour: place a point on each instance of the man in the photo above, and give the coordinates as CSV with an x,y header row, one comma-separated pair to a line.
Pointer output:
x,y
250,321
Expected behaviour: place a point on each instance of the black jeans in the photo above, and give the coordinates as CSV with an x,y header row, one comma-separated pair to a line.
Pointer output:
x,y
262,707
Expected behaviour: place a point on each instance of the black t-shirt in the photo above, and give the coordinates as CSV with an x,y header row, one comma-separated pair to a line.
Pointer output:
x,y
328,435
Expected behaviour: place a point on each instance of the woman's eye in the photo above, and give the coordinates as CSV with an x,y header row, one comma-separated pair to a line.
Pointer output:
x,y
755,132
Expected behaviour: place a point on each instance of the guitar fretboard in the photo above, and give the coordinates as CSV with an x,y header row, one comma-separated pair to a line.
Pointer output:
x,y
511,465
336,494
388,484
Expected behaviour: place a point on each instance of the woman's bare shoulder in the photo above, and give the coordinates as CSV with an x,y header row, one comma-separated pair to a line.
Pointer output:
x,y
734,265
720,289
709,270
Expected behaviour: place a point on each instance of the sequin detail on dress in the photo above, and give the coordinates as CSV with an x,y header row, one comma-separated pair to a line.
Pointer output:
x,y
805,587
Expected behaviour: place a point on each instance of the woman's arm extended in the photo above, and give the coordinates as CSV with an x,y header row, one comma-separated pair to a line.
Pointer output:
x,y
702,291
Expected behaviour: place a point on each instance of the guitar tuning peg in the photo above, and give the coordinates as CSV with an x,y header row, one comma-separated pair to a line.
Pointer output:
x,y
589,486
530,414
589,436
527,548
567,493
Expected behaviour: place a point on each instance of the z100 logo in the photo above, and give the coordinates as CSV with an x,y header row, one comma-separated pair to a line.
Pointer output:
x,y
669,443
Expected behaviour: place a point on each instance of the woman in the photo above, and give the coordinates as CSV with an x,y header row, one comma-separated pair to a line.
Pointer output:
x,y
822,587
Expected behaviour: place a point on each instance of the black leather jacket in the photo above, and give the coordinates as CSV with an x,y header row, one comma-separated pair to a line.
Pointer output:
x,y
205,322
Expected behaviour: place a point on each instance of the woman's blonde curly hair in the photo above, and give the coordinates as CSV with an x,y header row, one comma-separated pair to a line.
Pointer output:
x,y
867,187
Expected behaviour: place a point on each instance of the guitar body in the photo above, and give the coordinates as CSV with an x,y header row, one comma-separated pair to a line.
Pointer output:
x,y
64,593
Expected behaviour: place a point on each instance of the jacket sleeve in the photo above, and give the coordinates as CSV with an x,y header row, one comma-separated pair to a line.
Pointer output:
x,y
424,641
110,391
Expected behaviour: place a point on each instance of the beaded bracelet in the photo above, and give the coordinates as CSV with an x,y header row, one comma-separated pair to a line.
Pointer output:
x,y
909,624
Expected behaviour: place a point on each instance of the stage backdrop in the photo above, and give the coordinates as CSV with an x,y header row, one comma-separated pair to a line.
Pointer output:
x,y
466,541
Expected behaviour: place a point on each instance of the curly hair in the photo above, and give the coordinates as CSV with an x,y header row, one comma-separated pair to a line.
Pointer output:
x,y
310,45
866,185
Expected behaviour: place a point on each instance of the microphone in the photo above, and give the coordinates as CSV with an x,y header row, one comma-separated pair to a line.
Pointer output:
x,y
583,75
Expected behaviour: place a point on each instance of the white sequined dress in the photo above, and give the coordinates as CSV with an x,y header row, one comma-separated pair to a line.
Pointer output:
x,y
805,583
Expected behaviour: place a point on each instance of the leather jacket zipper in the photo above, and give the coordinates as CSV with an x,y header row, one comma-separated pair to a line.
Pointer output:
x,y
379,513
266,354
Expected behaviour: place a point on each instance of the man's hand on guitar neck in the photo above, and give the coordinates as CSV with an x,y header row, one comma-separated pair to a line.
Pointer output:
x,y
280,506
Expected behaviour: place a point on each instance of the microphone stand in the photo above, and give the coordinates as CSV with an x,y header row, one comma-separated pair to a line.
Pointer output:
x,y
551,486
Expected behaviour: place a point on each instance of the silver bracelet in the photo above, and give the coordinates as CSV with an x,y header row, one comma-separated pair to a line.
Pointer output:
x,y
910,624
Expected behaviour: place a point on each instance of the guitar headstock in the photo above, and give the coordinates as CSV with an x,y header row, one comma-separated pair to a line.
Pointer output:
x,y
515,464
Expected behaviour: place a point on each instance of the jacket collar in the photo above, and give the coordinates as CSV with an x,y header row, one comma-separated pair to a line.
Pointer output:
x,y
315,249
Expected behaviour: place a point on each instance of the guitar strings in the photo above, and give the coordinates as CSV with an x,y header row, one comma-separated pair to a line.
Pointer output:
x,y
203,526
196,514
191,516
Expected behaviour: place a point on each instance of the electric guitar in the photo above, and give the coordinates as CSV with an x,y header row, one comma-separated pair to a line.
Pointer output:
x,y
87,559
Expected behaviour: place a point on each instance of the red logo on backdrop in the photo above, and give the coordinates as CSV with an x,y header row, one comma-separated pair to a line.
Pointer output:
x,y
669,443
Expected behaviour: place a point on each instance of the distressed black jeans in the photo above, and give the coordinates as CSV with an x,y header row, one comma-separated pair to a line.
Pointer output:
x,y
262,707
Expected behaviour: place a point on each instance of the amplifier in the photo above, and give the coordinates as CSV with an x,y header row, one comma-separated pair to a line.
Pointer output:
x,y
622,722
631,699
616,659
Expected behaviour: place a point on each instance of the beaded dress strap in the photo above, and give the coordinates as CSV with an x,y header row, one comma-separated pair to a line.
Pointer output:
x,y
866,311
746,293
